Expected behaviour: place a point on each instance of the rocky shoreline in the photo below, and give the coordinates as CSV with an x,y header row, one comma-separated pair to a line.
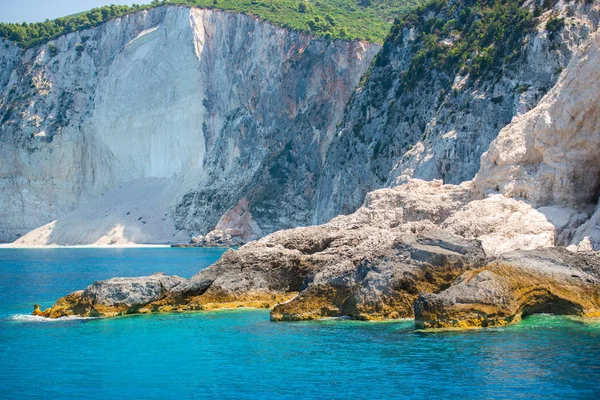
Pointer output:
x,y
440,279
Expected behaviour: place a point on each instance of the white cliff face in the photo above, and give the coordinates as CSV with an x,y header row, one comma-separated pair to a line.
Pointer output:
x,y
549,156
152,127
175,121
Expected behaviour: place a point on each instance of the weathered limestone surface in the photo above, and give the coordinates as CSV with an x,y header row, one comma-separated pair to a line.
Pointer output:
x,y
171,122
443,280
116,296
309,272
513,286
440,127
381,277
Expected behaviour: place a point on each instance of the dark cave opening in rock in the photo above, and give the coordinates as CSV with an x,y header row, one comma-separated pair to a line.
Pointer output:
x,y
550,304
585,182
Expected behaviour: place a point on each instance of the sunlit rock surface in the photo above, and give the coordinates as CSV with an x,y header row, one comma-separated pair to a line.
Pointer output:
x,y
163,124
439,128
483,253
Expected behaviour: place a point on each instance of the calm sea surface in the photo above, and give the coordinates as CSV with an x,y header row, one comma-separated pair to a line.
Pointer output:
x,y
240,354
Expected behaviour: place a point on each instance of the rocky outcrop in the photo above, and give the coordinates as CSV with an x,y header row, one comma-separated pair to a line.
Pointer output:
x,y
309,273
441,279
514,286
216,238
168,123
116,296
382,283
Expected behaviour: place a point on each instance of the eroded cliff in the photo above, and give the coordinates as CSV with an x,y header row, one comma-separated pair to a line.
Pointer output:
x,y
447,80
172,122
166,123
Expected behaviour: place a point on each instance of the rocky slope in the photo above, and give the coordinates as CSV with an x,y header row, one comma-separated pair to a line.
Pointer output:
x,y
421,115
166,123
483,253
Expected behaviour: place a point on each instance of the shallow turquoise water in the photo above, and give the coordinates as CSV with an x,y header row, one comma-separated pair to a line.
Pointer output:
x,y
240,354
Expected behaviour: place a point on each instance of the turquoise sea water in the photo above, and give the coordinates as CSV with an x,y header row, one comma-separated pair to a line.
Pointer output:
x,y
241,354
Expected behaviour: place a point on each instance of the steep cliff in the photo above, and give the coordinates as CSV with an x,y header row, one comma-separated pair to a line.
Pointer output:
x,y
448,79
171,122
166,123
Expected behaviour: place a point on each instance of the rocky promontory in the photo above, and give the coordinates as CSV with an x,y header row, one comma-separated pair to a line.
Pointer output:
x,y
513,286
441,279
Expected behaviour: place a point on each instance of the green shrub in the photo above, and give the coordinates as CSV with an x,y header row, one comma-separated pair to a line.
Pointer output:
x,y
479,36
79,48
8,114
498,100
554,26
52,50
522,88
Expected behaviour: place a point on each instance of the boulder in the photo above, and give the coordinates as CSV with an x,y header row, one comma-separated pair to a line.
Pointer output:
x,y
116,296
217,238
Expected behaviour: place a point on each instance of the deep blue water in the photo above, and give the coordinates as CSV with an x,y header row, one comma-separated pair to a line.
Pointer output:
x,y
240,354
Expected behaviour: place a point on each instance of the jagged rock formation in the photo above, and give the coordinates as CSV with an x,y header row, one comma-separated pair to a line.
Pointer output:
x,y
364,274
514,286
549,156
116,296
167,123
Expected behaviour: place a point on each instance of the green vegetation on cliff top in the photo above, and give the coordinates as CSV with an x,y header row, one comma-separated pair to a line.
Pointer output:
x,y
336,19
467,37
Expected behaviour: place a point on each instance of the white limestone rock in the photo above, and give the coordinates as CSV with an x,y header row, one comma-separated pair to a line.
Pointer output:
x,y
191,114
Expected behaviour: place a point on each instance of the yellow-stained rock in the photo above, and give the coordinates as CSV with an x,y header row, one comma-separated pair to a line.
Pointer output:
x,y
518,284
